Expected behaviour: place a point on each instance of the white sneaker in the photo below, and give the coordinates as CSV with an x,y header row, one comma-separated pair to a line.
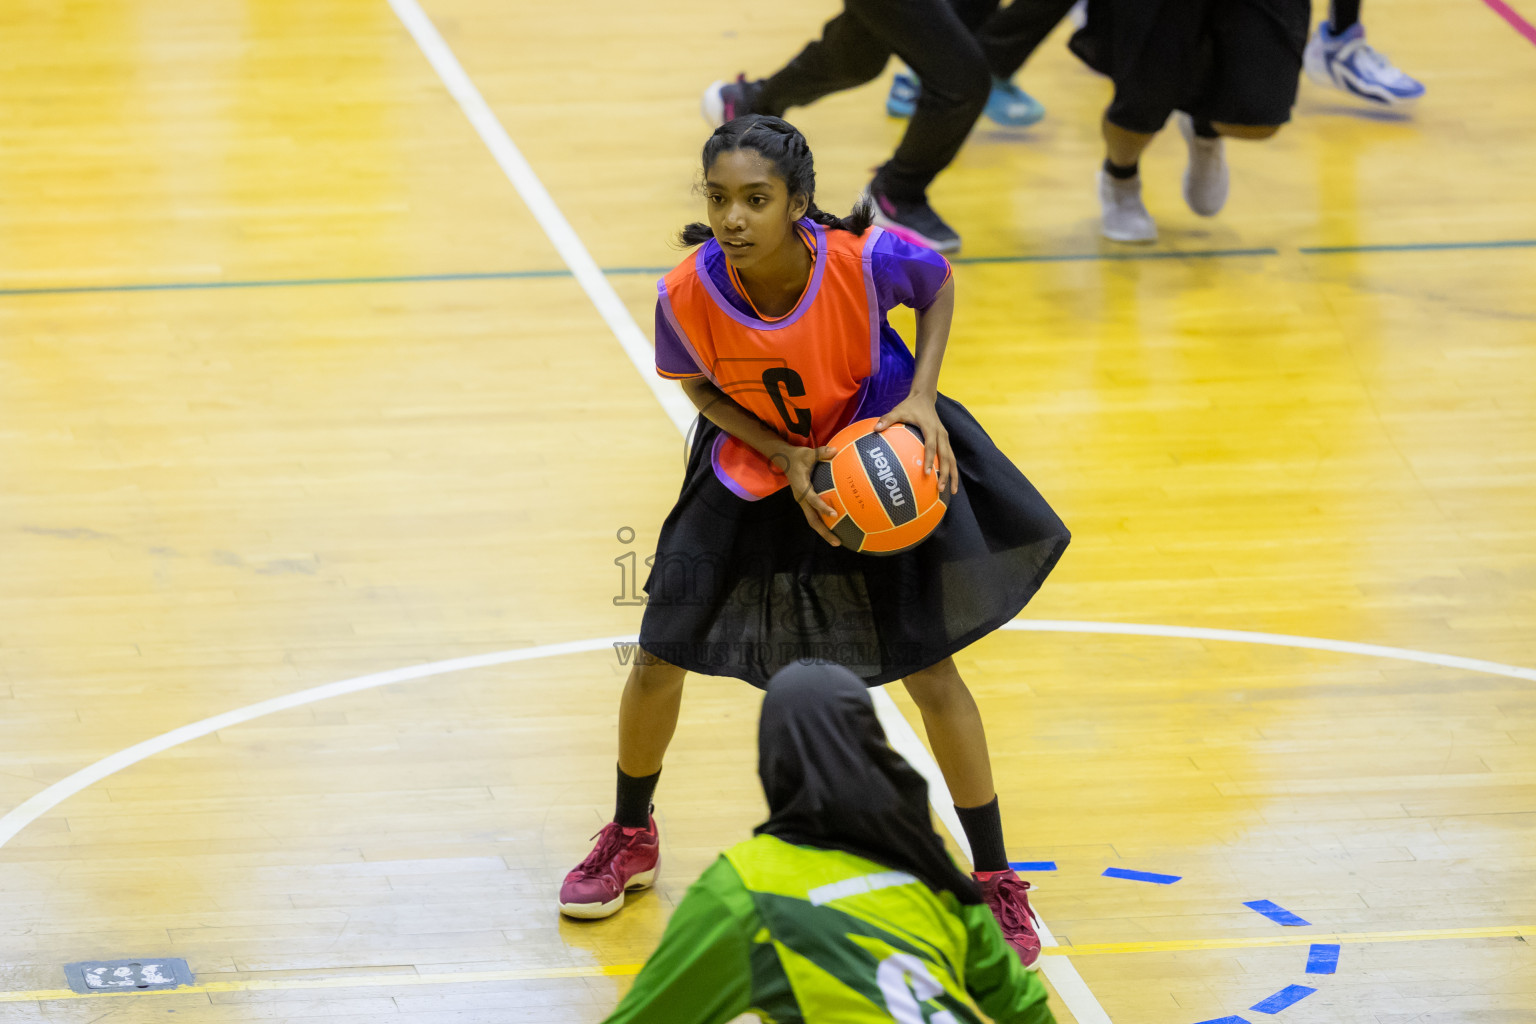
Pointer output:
x,y
1206,178
1125,216
1347,63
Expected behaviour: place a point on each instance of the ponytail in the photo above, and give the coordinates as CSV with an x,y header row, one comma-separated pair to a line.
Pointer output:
x,y
693,234
857,222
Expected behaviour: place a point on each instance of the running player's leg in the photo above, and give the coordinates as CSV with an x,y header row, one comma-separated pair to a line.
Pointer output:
x,y
1015,32
1337,55
959,742
628,849
1123,215
1151,54
846,55
1007,104
1343,16
1256,49
935,43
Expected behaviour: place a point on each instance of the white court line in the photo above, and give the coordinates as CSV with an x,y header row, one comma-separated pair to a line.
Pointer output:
x,y
1243,636
46,800
517,169
901,735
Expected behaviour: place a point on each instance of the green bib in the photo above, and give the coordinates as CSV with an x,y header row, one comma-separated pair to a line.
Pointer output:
x,y
852,940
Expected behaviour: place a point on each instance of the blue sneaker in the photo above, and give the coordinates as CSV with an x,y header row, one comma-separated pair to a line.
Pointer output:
x,y
1012,107
902,100
1007,104
1347,63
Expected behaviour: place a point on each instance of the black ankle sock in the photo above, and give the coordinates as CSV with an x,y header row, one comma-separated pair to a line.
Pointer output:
x,y
1121,173
1204,129
984,828
632,808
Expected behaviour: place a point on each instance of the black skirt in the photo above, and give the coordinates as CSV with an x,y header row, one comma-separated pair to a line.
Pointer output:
x,y
743,588
1233,61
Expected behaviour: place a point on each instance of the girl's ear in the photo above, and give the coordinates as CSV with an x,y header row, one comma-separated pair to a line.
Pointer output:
x,y
798,206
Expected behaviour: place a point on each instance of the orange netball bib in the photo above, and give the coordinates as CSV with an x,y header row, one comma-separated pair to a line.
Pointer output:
x,y
801,374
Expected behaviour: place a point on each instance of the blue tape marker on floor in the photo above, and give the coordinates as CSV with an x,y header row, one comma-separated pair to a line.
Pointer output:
x,y
1225,1020
1032,865
1323,959
1141,876
1287,996
1276,913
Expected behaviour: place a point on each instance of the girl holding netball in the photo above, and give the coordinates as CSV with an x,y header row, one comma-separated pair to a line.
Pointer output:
x,y
776,325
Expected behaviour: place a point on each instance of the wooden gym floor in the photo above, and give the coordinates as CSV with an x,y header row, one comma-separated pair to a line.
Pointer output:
x,y
294,389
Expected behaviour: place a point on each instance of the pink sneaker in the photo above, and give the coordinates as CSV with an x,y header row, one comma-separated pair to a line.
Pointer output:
x,y
624,858
1007,896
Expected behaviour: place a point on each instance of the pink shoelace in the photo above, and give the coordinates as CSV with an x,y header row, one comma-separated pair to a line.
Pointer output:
x,y
1010,899
610,840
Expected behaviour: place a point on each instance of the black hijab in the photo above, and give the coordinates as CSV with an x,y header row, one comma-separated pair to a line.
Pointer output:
x,y
832,780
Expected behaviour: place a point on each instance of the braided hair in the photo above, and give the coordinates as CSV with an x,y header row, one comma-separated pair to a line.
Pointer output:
x,y
781,144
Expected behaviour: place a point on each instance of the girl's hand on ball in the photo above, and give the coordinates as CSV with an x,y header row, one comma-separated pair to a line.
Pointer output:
x,y
797,464
919,411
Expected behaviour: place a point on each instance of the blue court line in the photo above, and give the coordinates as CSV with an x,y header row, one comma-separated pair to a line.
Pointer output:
x,y
1032,865
515,275
1276,913
1288,996
1323,958
1328,250
1141,876
1225,1020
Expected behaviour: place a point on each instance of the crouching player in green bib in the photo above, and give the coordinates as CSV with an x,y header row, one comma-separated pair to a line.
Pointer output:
x,y
845,908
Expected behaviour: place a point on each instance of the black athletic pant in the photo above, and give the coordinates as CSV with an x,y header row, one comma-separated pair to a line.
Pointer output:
x,y
1009,36
933,37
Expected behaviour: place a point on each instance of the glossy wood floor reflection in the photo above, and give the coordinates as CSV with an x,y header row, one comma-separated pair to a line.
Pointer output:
x,y
294,389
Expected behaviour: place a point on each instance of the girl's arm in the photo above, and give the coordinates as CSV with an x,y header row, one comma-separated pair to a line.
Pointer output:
x,y
790,459
932,337
701,973
995,978
727,414
918,407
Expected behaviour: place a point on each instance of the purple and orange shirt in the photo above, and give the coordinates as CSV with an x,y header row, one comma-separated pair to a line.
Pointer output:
x,y
831,360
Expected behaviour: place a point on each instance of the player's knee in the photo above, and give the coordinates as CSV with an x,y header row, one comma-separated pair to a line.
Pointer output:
x,y
861,68
652,676
1247,131
937,688
958,84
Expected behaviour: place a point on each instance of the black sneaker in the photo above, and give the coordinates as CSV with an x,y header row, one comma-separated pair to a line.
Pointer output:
x,y
915,221
726,101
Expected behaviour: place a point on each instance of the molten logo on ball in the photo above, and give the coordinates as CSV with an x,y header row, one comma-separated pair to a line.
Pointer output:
x,y
882,501
883,471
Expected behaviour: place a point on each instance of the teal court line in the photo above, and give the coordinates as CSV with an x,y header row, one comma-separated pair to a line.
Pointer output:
x,y
517,275
1113,257
1328,250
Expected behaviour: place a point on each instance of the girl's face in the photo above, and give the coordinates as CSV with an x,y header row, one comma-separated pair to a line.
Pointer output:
x,y
750,208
